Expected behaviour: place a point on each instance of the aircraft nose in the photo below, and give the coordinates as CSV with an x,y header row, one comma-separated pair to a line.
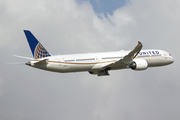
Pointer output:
x,y
172,60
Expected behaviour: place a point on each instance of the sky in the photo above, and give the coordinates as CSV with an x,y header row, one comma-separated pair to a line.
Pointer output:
x,y
106,6
82,26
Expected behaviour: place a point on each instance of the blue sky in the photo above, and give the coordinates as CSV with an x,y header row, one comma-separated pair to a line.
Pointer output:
x,y
106,6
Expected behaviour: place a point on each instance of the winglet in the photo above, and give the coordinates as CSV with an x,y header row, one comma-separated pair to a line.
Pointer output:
x,y
37,49
136,50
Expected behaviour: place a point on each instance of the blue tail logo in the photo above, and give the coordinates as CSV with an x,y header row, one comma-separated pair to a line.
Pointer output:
x,y
37,49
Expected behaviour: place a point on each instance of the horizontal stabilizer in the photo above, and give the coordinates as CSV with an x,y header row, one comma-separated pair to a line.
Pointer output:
x,y
45,61
23,57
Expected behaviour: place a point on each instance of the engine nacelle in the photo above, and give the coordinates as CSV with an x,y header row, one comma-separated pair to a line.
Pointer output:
x,y
139,64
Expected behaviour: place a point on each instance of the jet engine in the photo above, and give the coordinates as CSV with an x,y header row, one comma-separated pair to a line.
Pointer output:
x,y
139,64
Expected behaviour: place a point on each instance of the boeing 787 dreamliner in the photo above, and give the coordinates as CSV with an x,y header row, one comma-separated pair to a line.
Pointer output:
x,y
96,63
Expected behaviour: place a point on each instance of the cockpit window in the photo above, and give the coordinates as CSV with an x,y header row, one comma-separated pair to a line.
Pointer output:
x,y
169,54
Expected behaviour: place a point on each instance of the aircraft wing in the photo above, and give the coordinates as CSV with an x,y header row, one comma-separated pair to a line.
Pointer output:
x,y
127,60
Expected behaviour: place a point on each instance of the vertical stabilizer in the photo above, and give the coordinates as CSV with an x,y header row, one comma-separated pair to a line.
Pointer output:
x,y
37,49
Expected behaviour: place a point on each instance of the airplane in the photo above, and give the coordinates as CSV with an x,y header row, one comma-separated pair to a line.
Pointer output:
x,y
95,63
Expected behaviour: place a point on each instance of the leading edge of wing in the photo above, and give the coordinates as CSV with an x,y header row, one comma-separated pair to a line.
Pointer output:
x,y
127,59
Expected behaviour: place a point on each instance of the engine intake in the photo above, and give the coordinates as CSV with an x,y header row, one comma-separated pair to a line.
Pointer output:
x,y
139,64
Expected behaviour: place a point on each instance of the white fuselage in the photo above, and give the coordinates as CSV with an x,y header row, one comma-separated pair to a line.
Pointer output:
x,y
96,61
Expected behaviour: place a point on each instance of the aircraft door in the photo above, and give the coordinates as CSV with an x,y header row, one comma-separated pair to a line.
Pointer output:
x,y
98,59
60,61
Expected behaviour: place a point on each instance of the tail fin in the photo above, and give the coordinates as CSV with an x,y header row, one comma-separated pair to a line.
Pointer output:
x,y
37,49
